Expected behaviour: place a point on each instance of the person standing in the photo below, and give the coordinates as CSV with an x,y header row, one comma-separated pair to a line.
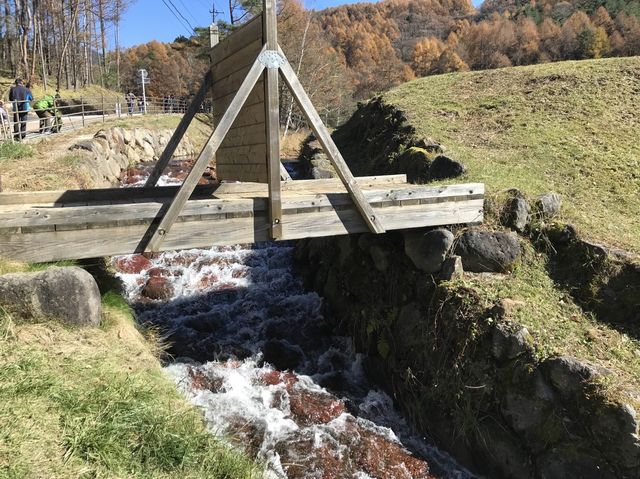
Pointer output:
x,y
19,95
131,100
45,109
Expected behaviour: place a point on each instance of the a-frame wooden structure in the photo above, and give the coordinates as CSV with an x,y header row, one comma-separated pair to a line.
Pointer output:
x,y
270,62
254,203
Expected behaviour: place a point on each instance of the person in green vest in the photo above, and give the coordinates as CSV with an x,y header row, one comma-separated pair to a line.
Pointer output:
x,y
49,115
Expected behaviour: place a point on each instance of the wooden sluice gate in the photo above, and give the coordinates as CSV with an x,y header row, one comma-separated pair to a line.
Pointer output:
x,y
256,200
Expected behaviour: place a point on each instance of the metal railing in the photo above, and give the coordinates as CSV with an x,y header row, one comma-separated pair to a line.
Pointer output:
x,y
71,114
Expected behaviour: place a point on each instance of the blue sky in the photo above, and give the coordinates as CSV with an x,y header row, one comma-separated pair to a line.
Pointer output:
x,y
147,20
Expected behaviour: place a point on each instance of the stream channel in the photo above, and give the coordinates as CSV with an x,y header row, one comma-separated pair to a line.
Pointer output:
x,y
254,351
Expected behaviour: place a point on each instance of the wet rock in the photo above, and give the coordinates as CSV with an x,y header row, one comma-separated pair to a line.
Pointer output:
x,y
516,213
407,329
158,288
444,167
200,381
249,435
415,163
500,452
273,377
427,250
570,375
281,354
488,251
313,407
571,462
134,264
452,268
70,295
548,205
509,342
380,256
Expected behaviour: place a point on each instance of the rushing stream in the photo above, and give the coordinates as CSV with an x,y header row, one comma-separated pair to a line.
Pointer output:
x,y
253,350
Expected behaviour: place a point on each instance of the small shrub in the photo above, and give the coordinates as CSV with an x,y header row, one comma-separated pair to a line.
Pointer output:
x,y
14,151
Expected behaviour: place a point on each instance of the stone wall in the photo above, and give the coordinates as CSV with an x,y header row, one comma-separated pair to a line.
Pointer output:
x,y
113,150
460,367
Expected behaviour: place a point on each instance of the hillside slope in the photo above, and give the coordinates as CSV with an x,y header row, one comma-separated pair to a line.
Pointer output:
x,y
571,127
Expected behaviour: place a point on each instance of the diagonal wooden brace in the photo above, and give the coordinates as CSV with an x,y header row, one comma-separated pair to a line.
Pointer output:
x,y
170,149
209,150
330,148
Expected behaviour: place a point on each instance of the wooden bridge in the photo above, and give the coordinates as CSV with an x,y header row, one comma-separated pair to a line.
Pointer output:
x,y
257,201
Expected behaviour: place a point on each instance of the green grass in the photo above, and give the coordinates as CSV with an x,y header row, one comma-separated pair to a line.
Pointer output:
x,y
557,324
570,127
14,151
94,403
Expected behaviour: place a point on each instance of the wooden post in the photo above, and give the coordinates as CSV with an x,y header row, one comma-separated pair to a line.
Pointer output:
x,y
82,106
103,119
330,148
179,132
272,123
209,150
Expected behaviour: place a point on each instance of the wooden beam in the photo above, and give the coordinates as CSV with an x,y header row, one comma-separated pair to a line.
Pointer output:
x,y
206,154
179,132
272,116
284,174
125,239
321,132
109,195
292,203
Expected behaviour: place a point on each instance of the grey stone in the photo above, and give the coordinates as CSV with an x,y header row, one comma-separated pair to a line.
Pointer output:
x,y
501,452
68,294
380,257
427,250
570,375
509,342
320,174
524,412
408,328
444,167
429,144
549,204
615,429
452,268
488,251
572,462
517,214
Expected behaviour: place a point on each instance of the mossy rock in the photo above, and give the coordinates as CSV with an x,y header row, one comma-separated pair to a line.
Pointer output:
x,y
415,162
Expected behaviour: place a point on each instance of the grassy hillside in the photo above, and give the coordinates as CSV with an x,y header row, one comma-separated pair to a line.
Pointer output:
x,y
572,127
95,403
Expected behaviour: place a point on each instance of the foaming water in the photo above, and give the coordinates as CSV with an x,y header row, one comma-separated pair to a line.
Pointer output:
x,y
254,351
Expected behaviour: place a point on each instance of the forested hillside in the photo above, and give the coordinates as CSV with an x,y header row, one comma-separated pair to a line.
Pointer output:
x,y
384,44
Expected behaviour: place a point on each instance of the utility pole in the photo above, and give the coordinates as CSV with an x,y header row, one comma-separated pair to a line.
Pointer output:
x,y
144,79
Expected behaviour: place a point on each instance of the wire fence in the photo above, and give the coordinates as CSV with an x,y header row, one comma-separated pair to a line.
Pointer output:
x,y
26,121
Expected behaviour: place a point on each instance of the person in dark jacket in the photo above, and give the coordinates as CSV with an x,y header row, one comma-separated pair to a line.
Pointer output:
x,y
19,95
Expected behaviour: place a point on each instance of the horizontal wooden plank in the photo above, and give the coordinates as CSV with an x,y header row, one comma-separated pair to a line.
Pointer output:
x,y
243,36
230,84
87,243
245,135
36,216
220,106
241,59
251,172
101,195
218,99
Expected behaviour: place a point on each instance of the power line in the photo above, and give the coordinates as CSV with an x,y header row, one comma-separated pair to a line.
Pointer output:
x,y
181,15
186,9
177,17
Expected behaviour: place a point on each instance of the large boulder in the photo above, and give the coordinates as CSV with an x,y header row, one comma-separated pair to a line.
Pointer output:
x,y
70,295
488,251
428,250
